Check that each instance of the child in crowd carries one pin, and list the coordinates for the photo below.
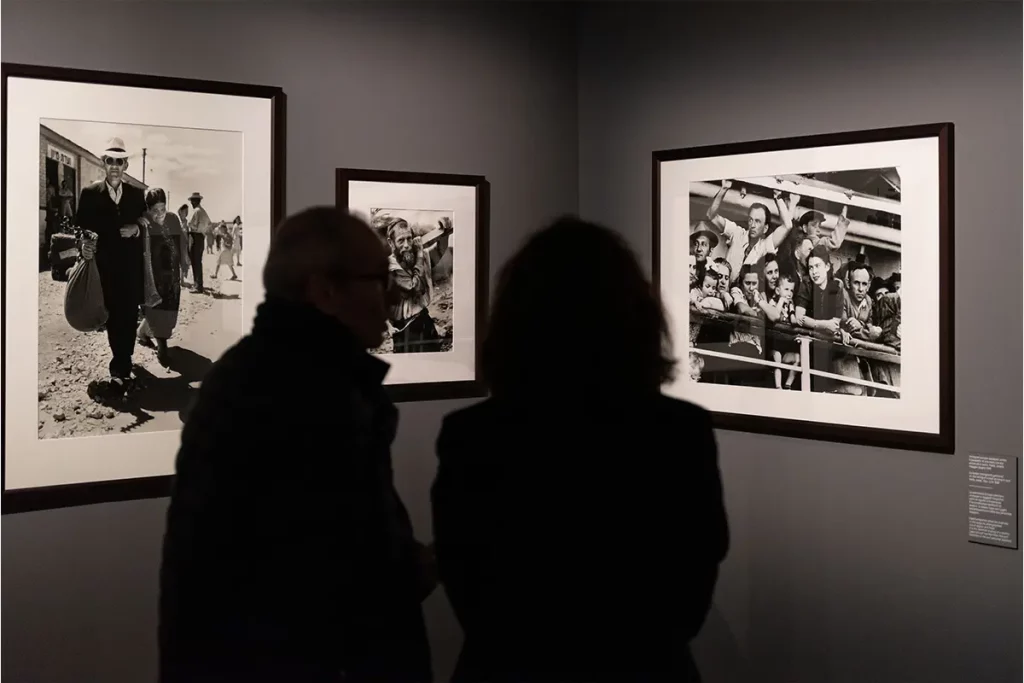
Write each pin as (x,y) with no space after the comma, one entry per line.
(780,309)
(708,297)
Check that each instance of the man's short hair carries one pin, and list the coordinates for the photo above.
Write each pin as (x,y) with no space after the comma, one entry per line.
(763,207)
(859,265)
(312,242)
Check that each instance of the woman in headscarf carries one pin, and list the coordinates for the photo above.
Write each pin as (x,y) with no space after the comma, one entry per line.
(165,257)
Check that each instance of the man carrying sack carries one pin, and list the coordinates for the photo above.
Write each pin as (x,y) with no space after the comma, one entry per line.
(113,210)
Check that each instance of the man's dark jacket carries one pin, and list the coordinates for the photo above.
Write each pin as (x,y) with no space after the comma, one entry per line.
(288,555)
(118,259)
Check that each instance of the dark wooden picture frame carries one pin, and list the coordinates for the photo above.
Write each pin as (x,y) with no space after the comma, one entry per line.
(944,440)
(441,389)
(88,493)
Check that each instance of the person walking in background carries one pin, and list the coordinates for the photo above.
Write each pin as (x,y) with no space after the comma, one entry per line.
(226,256)
(578,513)
(67,200)
(326,583)
(167,260)
(236,238)
(198,226)
(114,211)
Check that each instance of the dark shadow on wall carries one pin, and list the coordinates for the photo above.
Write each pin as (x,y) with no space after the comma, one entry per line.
(718,653)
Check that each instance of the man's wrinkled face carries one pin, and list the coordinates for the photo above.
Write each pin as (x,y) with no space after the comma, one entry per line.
(860,282)
(757,221)
(701,247)
(115,169)
(401,243)
(771,275)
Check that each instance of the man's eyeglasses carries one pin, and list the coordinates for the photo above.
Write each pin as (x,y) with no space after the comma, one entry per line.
(112,161)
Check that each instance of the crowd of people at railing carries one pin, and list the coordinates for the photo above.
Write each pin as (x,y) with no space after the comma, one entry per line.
(779,285)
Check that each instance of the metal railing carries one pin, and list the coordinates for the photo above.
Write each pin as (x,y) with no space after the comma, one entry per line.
(804,338)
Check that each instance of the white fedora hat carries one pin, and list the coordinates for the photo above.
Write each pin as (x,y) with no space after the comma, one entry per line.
(115,148)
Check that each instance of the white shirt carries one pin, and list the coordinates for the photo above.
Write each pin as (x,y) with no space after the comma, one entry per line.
(738,253)
(115,192)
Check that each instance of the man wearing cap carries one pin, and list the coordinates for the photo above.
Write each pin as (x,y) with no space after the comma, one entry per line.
(810,223)
(199,226)
(113,210)
(414,330)
(750,245)
(703,241)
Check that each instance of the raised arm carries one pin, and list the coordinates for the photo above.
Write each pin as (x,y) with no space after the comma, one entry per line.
(716,204)
(835,240)
(786,215)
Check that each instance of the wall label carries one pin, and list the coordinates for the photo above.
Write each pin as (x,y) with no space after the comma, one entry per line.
(992,500)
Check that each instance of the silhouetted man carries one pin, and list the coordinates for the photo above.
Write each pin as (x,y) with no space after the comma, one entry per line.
(113,210)
(289,556)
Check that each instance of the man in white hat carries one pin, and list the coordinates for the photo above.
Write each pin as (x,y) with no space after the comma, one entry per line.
(114,211)
(199,227)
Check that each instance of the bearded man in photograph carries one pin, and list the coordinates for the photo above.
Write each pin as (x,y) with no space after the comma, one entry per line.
(410,270)
(113,211)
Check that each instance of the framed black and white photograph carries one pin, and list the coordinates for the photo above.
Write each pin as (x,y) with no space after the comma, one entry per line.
(137,216)
(435,324)
(783,265)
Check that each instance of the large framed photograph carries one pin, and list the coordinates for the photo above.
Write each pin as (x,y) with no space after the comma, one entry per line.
(137,214)
(781,264)
(435,325)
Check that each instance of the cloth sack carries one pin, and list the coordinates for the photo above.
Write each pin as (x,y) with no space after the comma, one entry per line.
(83,298)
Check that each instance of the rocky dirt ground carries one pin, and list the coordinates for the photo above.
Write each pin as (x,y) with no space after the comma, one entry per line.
(70,362)
(440,310)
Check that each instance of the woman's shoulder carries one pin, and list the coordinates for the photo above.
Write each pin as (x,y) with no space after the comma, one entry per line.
(492,413)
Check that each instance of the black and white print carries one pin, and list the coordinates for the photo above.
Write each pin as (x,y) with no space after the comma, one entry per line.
(176,196)
(795,282)
(421,274)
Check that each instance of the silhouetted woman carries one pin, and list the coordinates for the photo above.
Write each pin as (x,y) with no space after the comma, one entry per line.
(578,513)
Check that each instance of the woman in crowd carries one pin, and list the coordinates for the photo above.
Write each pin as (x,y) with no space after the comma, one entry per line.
(578,514)
(236,239)
(167,258)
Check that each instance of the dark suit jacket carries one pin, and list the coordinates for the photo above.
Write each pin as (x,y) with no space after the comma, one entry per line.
(118,259)
(288,554)
(578,541)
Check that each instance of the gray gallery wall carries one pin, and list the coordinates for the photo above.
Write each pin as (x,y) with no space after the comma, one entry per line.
(851,564)
(443,87)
